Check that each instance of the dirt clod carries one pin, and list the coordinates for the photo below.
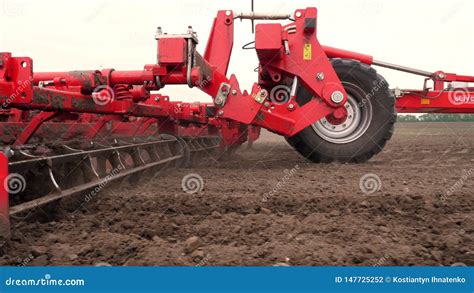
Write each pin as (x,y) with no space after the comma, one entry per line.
(191,244)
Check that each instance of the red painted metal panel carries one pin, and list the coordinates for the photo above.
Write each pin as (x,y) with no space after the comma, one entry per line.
(172,51)
(221,41)
(452,101)
(332,52)
(268,41)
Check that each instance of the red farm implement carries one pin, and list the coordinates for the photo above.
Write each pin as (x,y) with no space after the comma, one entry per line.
(65,133)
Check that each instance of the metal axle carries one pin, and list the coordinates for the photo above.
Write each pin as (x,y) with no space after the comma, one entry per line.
(403,68)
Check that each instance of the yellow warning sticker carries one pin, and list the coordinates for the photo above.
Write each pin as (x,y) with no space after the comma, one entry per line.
(307,52)
(425,101)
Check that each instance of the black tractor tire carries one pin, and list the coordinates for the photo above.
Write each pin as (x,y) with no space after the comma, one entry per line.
(367,89)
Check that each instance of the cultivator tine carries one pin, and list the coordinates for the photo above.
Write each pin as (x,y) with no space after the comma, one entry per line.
(25,155)
(53,180)
(200,144)
(153,153)
(153,157)
(137,158)
(163,151)
(69,149)
(85,167)
(202,147)
(116,161)
(101,162)
(90,174)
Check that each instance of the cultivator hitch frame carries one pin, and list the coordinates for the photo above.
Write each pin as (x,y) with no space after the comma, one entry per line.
(73,129)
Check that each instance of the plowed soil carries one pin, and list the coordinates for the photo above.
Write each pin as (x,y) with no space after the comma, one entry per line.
(268,206)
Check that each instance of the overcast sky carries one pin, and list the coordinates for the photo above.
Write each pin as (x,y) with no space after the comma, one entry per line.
(67,35)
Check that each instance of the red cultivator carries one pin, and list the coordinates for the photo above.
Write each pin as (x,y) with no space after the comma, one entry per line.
(65,133)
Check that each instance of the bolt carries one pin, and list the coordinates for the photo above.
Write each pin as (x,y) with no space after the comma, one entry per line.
(228,12)
(441,75)
(157,99)
(234,92)
(298,14)
(263,93)
(266,104)
(220,113)
(320,76)
(260,97)
(337,97)
(9,152)
(291,107)
(190,29)
(219,101)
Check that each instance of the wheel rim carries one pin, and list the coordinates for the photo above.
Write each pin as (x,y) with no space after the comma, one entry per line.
(359,116)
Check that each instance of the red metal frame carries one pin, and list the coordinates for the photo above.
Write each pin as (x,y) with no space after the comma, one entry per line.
(72,91)
(440,98)
(80,103)
(420,101)
(284,51)
(437,95)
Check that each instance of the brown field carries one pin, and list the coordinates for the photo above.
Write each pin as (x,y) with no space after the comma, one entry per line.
(268,206)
